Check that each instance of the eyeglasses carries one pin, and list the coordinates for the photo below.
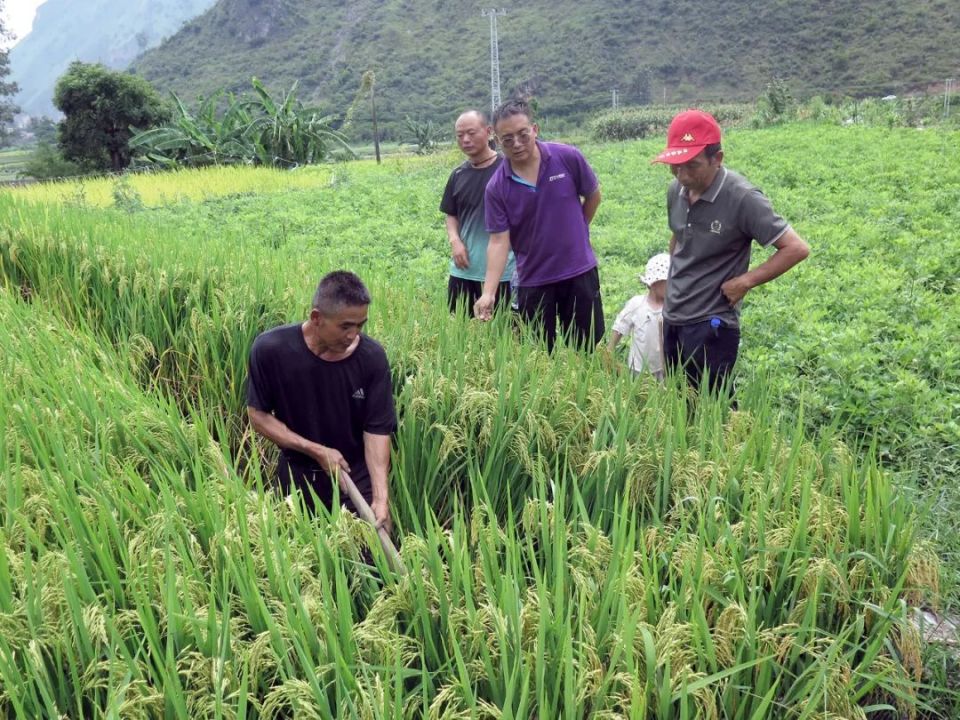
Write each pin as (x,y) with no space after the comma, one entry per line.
(522,137)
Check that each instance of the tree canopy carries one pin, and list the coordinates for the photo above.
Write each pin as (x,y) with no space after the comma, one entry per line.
(7,89)
(102,110)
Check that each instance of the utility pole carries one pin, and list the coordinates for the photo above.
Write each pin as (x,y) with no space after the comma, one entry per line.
(947,95)
(376,130)
(493,13)
(616,99)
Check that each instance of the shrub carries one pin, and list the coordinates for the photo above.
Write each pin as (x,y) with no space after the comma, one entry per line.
(46,163)
(639,122)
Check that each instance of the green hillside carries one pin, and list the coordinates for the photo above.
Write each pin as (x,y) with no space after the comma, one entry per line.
(432,57)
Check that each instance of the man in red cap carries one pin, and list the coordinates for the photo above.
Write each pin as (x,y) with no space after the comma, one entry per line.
(714,216)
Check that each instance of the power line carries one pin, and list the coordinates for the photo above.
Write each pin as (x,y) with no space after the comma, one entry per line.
(493,13)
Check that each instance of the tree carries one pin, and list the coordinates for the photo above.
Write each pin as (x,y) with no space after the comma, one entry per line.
(262,130)
(287,132)
(43,128)
(102,109)
(7,89)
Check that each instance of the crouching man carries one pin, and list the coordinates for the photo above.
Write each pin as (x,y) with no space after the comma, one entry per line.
(321,391)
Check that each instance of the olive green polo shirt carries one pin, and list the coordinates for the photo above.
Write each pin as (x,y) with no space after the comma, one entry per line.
(714,238)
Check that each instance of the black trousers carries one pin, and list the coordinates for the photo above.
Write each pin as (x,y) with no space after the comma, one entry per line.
(460,290)
(709,347)
(312,482)
(573,303)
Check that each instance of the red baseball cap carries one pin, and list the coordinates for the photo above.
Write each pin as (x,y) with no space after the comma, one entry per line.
(689,133)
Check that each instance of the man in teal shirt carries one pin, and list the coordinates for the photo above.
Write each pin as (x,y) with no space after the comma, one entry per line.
(463,204)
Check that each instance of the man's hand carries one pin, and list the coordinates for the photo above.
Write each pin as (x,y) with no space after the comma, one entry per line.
(382,513)
(483,307)
(329,459)
(458,251)
(735,288)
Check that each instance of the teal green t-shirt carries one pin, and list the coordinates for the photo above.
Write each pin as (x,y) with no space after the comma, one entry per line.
(463,198)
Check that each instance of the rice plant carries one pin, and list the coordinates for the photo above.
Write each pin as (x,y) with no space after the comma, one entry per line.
(578,543)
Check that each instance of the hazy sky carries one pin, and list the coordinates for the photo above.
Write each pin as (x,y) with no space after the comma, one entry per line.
(18,16)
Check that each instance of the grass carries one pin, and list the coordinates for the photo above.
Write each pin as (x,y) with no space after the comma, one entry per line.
(617,551)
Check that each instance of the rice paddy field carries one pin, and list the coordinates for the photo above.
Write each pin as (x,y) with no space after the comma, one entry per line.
(577,543)
(12,161)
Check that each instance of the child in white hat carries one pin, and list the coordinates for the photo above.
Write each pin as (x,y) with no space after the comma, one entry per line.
(642,319)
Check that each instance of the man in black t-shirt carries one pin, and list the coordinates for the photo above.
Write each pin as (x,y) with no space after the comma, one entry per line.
(320,390)
(463,205)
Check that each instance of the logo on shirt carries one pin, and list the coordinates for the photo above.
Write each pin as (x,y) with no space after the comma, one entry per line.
(561,176)
(716,227)
(358,395)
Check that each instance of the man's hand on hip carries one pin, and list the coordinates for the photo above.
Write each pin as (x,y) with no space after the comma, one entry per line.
(735,288)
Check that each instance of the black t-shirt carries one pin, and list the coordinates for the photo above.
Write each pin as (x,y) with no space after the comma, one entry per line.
(332,403)
(463,194)
(463,198)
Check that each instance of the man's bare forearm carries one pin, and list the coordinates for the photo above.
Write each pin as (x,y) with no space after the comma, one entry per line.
(277,432)
(453,228)
(498,250)
(376,451)
(791,250)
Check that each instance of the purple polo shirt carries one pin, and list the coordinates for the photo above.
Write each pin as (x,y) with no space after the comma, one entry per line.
(548,233)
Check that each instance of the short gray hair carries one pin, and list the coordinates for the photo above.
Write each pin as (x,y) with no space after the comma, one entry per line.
(340,289)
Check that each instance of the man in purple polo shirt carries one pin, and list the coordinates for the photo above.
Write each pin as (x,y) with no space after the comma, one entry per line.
(533,205)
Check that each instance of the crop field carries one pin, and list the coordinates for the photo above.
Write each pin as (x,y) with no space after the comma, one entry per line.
(577,543)
(12,161)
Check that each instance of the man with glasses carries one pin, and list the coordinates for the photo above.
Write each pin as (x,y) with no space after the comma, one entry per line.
(714,216)
(540,202)
(463,205)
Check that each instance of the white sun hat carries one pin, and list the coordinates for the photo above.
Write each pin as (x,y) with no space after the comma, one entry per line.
(658,267)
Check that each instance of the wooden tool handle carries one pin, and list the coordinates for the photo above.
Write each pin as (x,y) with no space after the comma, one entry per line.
(366,513)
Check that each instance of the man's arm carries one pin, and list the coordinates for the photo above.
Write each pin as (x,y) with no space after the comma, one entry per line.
(376,451)
(791,249)
(590,205)
(282,436)
(458,251)
(498,250)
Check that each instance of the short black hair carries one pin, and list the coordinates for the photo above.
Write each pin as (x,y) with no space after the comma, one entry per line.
(340,289)
(514,106)
(710,151)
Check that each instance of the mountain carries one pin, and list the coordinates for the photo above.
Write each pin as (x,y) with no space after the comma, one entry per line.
(113,32)
(431,57)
